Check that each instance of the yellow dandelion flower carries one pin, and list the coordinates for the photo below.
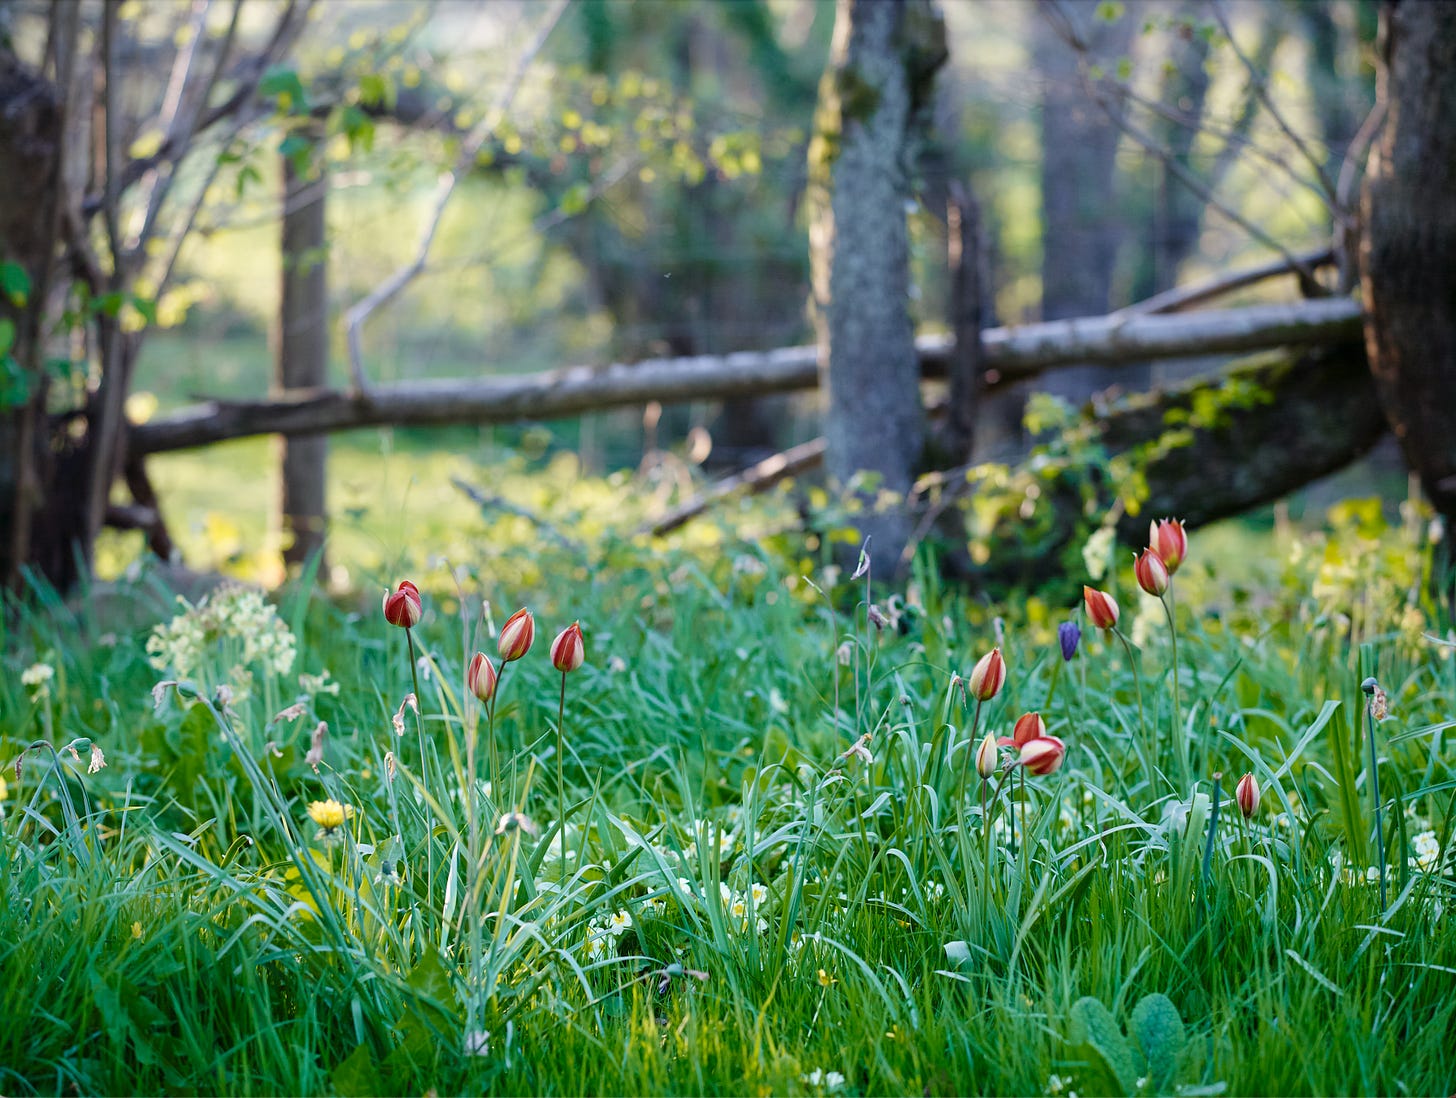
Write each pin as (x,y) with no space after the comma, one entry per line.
(330,815)
(826,980)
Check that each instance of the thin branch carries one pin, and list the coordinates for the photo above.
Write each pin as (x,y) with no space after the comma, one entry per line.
(1261,89)
(756,478)
(1185,297)
(488,502)
(179,126)
(469,149)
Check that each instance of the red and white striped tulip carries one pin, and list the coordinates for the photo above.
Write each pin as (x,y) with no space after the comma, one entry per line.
(1043,755)
(516,635)
(481,677)
(1152,573)
(988,757)
(568,649)
(987,676)
(1029,726)
(1247,795)
(402,607)
(1101,607)
(1169,538)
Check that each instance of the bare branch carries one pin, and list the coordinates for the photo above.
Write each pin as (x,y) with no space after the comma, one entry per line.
(1261,89)
(469,149)
(1185,297)
(756,478)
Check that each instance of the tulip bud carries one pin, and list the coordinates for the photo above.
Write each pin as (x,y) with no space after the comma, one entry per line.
(1068,634)
(567,650)
(516,635)
(1101,607)
(987,756)
(480,677)
(1171,542)
(1029,726)
(403,607)
(1043,755)
(987,676)
(1247,795)
(1152,573)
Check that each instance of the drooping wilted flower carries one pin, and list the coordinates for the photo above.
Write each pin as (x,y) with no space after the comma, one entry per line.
(1101,607)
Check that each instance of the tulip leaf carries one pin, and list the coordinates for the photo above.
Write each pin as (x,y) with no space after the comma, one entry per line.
(1094,1028)
(1158,1030)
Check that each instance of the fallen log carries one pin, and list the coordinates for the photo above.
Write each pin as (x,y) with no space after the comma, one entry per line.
(1008,353)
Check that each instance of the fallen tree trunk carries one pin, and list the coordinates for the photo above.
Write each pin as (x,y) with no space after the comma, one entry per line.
(1008,353)
(1274,424)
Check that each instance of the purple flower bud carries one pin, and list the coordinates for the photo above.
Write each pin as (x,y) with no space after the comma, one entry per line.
(1068,634)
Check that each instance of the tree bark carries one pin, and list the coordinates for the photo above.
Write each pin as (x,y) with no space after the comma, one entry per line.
(882,62)
(1408,278)
(1273,425)
(303,357)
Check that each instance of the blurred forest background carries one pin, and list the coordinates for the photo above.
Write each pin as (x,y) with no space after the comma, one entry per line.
(636,186)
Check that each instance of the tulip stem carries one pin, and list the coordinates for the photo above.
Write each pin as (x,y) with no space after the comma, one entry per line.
(409,636)
(560,779)
(1179,737)
(1375,795)
(1136,678)
(970,747)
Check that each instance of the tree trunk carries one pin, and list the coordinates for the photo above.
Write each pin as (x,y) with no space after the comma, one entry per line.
(43,515)
(1408,276)
(883,60)
(303,356)
(1080,229)
(1269,427)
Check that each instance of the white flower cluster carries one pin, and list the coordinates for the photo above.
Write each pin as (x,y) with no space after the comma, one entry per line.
(37,675)
(820,1079)
(222,639)
(602,934)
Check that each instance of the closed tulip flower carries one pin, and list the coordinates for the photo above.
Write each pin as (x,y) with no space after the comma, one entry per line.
(1043,755)
(1101,607)
(1170,540)
(516,635)
(1247,795)
(402,607)
(987,757)
(481,677)
(568,650)
(1068,634)
(1152,573)
(987,676)
(1029,726)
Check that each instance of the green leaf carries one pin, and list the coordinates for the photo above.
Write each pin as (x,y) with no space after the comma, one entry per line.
(282,83)
(7,334)
(1094,1027)
(1158,1029)
(356,1074)
(14,283)
(1109,11)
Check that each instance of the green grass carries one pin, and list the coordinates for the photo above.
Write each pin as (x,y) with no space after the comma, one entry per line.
(174,923)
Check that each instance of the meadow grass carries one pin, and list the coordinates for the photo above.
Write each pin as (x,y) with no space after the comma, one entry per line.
(741,902)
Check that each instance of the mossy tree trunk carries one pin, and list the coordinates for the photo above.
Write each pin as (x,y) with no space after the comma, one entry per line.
(1408,257)
(881,67)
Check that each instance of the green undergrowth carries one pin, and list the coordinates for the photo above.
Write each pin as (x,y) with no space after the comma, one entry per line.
(775,875)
